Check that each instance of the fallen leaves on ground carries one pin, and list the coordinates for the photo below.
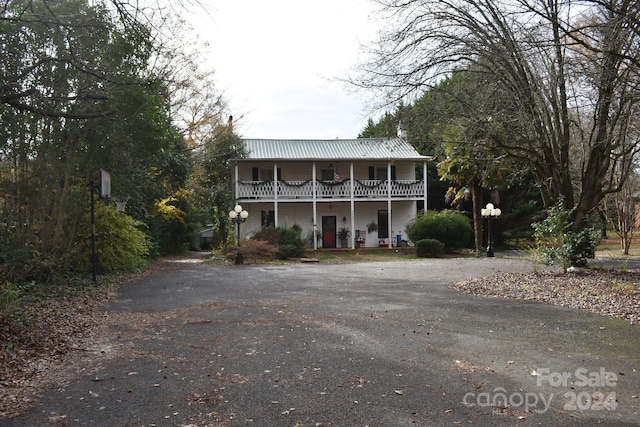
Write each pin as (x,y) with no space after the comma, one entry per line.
(50,329)
(607,292)
(42,336)
(47,328)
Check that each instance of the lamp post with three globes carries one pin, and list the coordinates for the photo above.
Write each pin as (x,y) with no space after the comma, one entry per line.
(238,215)
(490,212)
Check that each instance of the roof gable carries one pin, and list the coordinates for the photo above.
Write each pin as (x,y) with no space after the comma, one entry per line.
(331,149)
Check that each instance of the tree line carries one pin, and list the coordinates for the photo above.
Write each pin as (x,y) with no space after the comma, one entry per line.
(536,97)
(541,88)
(86,86)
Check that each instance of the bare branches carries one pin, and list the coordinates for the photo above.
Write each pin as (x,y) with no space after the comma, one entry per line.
(566,73)
(81,41)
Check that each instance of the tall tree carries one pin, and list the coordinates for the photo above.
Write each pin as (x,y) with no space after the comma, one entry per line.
(216,168)
(49,44)
(75,96)
(566,74)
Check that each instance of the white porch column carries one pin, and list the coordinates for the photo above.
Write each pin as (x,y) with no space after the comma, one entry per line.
(275,193)
(424,180)
(353,208)
(315,207)
(389,201)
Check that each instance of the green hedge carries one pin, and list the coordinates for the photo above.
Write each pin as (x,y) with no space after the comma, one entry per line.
(429,248)
(452,228)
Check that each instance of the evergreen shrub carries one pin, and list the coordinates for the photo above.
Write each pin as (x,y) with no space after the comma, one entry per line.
(429,248)
(452,228)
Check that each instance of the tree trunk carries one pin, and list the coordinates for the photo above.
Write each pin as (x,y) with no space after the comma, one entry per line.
(599,156)
(476,195)
(626,242)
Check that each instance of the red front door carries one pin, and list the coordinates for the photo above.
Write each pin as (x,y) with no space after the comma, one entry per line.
(328,231)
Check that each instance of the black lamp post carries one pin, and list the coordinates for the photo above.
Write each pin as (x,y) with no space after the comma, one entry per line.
(238,215)
(490,212)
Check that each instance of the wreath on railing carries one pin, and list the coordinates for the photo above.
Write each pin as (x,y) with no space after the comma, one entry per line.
(331,183)
(328,183)
(255,183)
(288,184)
(370,186)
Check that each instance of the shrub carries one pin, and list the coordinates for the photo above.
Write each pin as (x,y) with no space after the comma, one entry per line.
(172,226)
(267,234)
(288,240)
(452,228)
(17,251)
(429,248)
(254,251)
(556,243)
(121,245)
(288,251)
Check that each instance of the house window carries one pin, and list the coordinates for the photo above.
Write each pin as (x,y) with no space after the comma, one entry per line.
(264,174)
(381,173)
(268,219)
(327,174)
(383,224)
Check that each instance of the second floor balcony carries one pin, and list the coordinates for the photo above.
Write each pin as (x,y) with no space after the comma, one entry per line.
(345,189)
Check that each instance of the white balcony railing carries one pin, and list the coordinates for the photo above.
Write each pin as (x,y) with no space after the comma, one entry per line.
(329,189)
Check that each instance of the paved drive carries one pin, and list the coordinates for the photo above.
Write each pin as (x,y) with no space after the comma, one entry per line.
(369,344)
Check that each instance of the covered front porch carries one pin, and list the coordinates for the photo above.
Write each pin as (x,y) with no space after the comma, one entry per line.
(336,224)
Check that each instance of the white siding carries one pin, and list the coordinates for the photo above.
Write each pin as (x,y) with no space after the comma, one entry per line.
(301,214)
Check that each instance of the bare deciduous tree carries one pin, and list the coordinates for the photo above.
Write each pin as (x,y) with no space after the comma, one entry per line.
(566,73)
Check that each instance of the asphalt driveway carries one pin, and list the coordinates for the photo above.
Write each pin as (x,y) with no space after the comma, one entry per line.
(368,344)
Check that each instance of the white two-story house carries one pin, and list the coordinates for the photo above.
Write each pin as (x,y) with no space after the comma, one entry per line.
(325,186)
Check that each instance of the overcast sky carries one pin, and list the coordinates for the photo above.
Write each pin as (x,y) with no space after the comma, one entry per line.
(277,62)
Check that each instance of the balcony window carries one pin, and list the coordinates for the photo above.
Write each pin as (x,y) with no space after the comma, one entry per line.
(327,174)
(264,174)
(380,174)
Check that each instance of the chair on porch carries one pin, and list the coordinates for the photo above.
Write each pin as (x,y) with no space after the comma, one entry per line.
(361,235)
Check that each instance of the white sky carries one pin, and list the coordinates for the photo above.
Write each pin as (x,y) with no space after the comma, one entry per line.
(277,62)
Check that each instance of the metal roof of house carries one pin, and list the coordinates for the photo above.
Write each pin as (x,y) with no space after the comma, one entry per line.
(331,149)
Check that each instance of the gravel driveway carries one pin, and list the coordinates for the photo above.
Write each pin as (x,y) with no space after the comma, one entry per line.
(367,344)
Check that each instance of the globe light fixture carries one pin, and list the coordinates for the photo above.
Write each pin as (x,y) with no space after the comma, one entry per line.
(490,212)
(238,215)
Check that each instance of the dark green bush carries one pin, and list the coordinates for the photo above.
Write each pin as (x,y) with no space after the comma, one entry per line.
(288,240)
(557,243)
(429,248)
(449,227)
